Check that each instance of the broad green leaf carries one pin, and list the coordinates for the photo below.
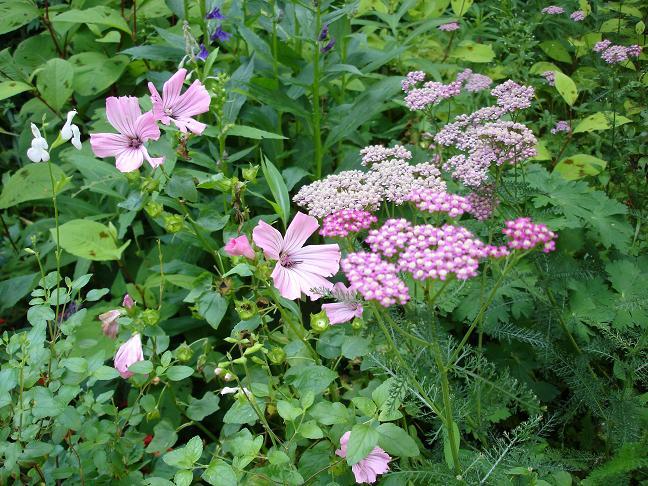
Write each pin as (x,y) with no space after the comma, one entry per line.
(566,87)
(141,367)
(310,377)
(278,188)
(600,121)
(542,66)
(155,53)
(287,411)
(164,437)
(30,183)
(12,88)
(310,430)
(100,15)
(105,373)
(555,50)
(212,306)
(460,7)
(88,239)
(16,13)
(396,441)
(254,133)
(34,51)
(579,166)
(177,373)
(473,52)
(15,288)
(328,413)
(185,457)
(94,72)
(542,152)
(55,82)
(362,440)
(219,473)
(112,37)
(199,409)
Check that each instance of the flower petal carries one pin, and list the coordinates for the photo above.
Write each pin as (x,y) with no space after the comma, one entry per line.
(300,229)
(340,312)
(172,88)
(146,128)
(192,102)
(320,259)
(122,113)
(286,282)
(108,144)
(268,239)
(129,160)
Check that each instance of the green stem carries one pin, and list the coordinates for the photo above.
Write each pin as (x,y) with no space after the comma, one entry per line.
(317,136)
(58,242)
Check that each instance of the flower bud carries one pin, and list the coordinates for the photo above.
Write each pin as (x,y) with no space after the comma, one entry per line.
(218,371)
(228,376)
(357,324)
(184,353)
(319,322)
(153,209)
(153,415)
(250,173)
(246,309)
(149,185)
(173,223)
(150,317)
(155,380)
(277,355)
(132,176)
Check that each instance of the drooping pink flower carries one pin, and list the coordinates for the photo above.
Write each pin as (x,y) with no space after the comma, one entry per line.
(134,129)
(128,302)
(300,269)
(109,325)
(347,308)
(129,353)
(367,469)
(239,246)
(180,108)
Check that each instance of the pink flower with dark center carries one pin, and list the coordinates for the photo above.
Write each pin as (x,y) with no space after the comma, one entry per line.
(347,308)
(134,129)
(240,246)
(180,108)
(129,353)
(367,469)
(300,269)
(109,325)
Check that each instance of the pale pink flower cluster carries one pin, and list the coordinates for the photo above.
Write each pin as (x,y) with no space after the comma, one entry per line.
(390,178)
(550,77)
(377,153)
(524,234)
(577,16)
(449,27)
(512,96)
(346,221)
(475,82)
(440,202)
(483,203)
(392,237)
(613,54)
(432,93)
(553,10)
(561,126)
(412,79)
(374,278)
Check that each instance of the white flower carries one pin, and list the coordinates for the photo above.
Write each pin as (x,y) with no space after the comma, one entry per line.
(71,131)
(227,390)
(38,151)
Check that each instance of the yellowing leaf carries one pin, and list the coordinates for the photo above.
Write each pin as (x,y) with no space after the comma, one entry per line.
(473,52)
(579,166)
(600,121)
(460,7)
(566,87)
(88,239)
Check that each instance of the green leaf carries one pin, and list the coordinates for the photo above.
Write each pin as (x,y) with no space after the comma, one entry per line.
(112,37)
(75,365)
(278,188)
(88,239)
(354,346)
(96,294)
(95,72)
(177,373)
(183,478)
(30,183)
(141,367)
(460,7)
(566,87)
(16,13)
(101,15)
(287,411)
(310,377)
(12,88)
(219,473)
(579,166)
(555,50)
(40,314)
(600,121)
(254,133)
(164,436)
(396,441)
(310,430)
(55,82)
(14,289)
(105,373)
(155,53)
(365,405)
(328,413)
(199,409)
(185,457)
(362,441)
(472,52)
(212,306)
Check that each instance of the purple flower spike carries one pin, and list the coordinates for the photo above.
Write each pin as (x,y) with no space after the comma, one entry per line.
(328,46)
(215,14)
(220,35)
(202,55)
(324,33)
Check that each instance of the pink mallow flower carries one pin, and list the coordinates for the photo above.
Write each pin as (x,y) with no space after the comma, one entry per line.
(239,246)
(347,308)
(109,325)
(299,268)
(367,469)
(128,354)
(134,129)
(180,108)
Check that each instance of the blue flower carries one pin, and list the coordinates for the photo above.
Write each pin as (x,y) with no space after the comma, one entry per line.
(324,33)
(328,46)
(220,35)
(215,14)
(202,55)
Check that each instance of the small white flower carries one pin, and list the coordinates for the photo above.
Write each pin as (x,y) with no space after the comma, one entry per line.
(38,151)
(71,131)
(227,390)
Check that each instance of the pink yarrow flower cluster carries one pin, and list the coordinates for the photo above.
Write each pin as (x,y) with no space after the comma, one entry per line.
(483,202)
(524,234)
(577,16)
(553,10)
(550,77)
(422,96)
(347,221)
(561,126)
(135,129)
(449,27)
(613,53)
(375,278)
(377,153)
(440,202)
